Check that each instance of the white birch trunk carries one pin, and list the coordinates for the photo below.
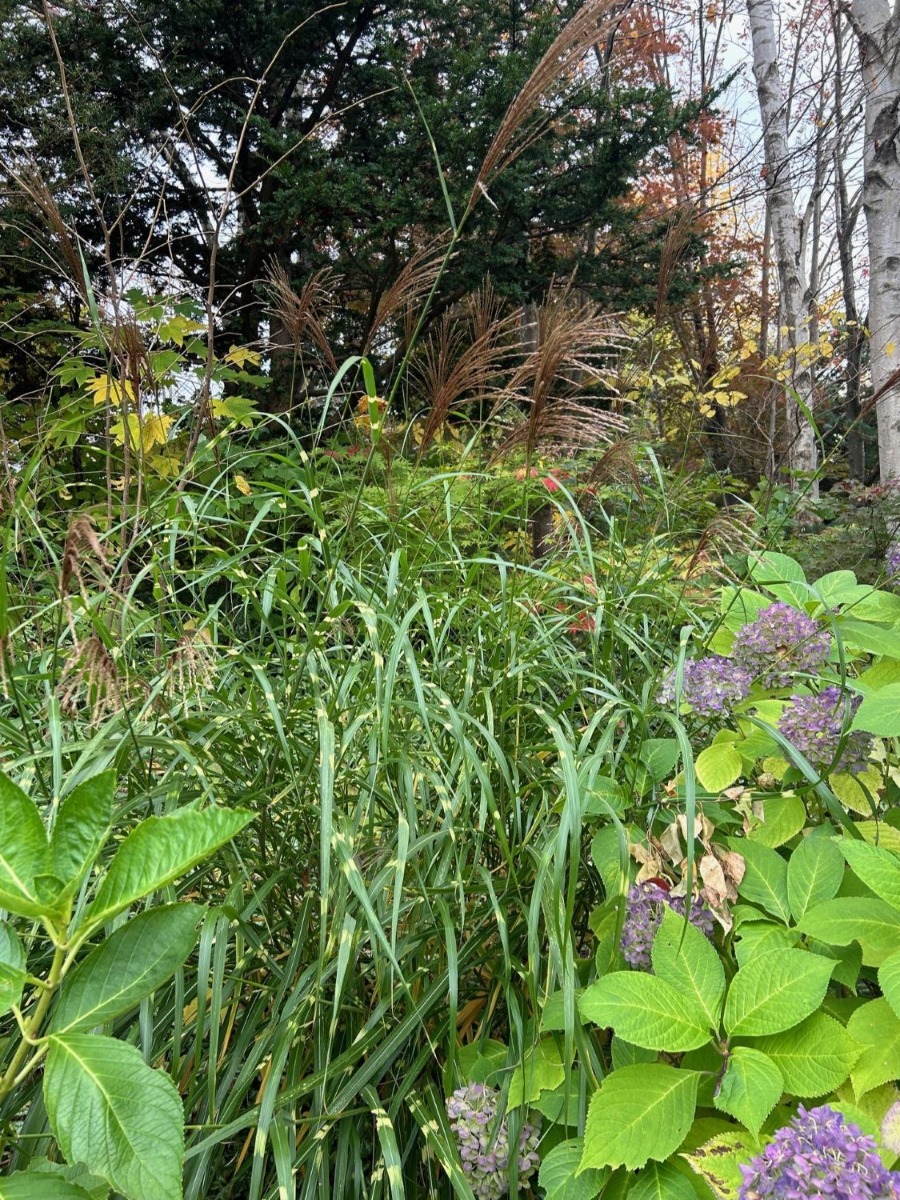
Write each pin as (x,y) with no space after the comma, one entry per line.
(878,29)
(780,201)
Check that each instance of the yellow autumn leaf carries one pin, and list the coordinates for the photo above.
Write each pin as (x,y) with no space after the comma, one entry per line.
(155,430)
(106,390)
(239,356)
(889,349)
(242,485)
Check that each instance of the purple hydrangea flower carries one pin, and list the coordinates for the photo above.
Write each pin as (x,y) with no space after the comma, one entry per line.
(814,725)
(644,907)
(819,1156)
(781,641)
(892,564)
(709,685)
(473,1116)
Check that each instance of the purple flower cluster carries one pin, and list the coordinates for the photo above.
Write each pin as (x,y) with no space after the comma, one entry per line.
(781,641)
(892,564)
(644,907)
(814,725)
(473,1114)
(819,1156)
(709,685)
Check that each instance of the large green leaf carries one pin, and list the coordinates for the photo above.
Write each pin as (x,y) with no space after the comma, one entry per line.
(879,712)
(639,1113)
(776,991)
(872,923)
(25,1186)
(876,1027)
(75,1175)
(750,1088)
(82,826)
(558,1175)
(160,850)
(877,639)
(814,1058)
(23,851)
(12,967)
(113,1113)
(889,981)
(718,766)
(645,1011)
(718,1161)
(782,576)
(783,818)
(134,961)
(765,880)
(542,1071)
(878,869)
(684,958)
(814,874)
(661,1181)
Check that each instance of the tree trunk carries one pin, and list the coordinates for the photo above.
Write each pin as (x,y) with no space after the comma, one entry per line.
(794,291)
(878,29)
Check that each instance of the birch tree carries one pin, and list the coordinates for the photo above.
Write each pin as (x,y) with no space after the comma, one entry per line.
(794,297)
(877,26)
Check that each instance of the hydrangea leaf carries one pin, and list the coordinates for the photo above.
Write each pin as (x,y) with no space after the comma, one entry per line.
(873,923)
(542,1071)
(718,766)
(558,1176)
(775,992)
(760,937)
(876,1027)
(889,981)
(814,874)
(765,880)
(783,817)
(683,957)
(879,712)
(645,1011)
(814,1057)
(639,1113)
(661,1181)
(750,1088)
(878,869)
(12,967)
(23,1185)
(23,851)
(718,1161)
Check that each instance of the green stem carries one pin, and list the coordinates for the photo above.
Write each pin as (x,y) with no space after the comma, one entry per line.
(33,1024)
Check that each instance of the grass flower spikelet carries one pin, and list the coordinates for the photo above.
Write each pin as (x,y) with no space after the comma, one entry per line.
(484,1144)
(780,642)
(819,1156)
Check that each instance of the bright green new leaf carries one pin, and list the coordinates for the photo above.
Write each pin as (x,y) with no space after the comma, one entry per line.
(82,826)
(158,852)
(750,1088)
(639,1113)
(879,712)
(876,1027)
(718,766)
(684,958)
(814,874)
(775,991)
(113,1113)
(542,1071)
(12,967)
(814,1058)
(782,576)
(661,1181)
(645,1011)
(762,936)
(784,816)
(765,880)
(558,1176)
(872,923)
(878,869)
(889,981)
(135,960)
(23,851)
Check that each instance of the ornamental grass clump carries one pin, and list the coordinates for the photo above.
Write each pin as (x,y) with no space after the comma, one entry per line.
(484,1144)
(710,685)
(779,643)
(819,1156)
(645,904)
(815,726)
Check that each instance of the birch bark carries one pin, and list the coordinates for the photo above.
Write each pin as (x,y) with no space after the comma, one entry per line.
(794,294)
(877,26)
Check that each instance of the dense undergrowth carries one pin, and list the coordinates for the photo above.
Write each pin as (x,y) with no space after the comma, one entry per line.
(459,756)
